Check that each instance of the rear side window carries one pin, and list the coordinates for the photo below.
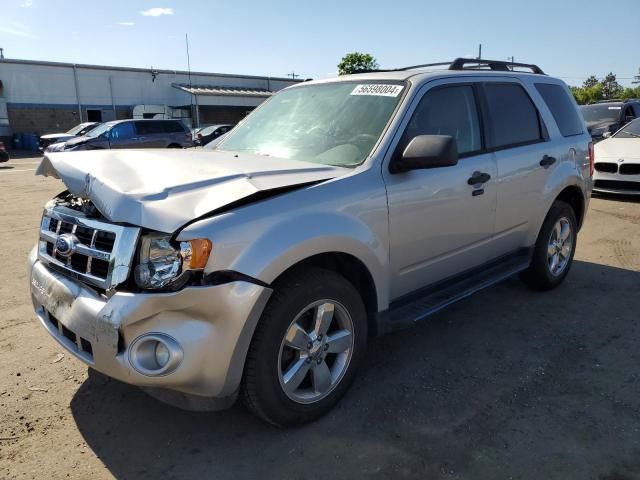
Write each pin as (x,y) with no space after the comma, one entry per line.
(514,118)
(150,127)
(562,108)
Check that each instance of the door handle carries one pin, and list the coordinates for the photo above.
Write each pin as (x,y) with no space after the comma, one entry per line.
(479,177)
(547,161)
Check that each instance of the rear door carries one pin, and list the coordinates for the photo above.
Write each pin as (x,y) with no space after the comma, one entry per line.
(525,158)
(150,134)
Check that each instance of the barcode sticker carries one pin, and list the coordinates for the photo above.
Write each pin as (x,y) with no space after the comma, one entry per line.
(378,89)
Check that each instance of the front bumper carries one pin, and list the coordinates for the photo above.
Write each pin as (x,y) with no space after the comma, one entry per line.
(213,326)
(616,183)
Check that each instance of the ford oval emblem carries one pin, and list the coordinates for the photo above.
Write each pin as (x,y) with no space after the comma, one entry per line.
(65,245)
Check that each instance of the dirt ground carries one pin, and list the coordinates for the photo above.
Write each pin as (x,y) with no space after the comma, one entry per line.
(506,384)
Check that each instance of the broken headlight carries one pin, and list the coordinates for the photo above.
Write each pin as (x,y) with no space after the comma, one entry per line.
(160,262)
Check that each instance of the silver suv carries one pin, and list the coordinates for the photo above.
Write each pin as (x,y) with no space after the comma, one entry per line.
(338,210)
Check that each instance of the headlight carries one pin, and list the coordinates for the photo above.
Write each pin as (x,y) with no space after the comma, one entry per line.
(161,263)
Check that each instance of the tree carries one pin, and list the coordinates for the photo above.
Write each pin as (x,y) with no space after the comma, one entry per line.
(591,81)
(630,93)
(356,62)
(610,87)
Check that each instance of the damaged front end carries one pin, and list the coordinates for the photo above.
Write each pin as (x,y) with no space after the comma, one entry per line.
(92,287)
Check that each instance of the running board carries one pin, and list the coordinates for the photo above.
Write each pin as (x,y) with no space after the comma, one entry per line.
(417,306)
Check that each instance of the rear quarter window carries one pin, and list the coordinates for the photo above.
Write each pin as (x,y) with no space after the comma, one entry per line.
(514,117)
(562,108)
(174,127)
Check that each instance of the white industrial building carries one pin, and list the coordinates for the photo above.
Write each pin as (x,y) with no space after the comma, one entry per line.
(43,97)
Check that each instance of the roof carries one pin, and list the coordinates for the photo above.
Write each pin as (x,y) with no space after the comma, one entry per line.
(215,90)
(134,69)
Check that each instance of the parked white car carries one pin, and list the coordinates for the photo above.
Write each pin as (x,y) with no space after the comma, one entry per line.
(617,161)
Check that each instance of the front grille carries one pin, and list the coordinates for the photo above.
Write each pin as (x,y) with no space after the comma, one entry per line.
(616,185)
(630,169)
(101,252)
(606,167)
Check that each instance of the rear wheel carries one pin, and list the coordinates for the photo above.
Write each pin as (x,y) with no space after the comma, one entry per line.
(306,348)
(554,249)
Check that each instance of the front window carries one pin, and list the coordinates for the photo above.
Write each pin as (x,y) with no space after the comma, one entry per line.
(331,124)
(600,113)
(631,130)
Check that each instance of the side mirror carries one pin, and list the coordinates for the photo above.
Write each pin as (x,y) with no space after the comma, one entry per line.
(606,135)
(427,151)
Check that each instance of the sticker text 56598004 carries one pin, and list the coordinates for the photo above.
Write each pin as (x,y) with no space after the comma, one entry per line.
(378,89)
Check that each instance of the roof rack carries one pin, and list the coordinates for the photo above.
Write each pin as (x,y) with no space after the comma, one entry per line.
(476,64)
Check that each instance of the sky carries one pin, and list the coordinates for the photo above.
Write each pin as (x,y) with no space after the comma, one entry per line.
(570,39)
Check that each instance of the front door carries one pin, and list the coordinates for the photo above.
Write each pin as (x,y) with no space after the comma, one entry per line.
(122,135)
(440,222)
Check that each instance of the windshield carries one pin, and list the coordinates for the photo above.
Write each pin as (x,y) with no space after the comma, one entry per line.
(600,113)
(332,124)
(631,130)
(99,130)
(75,130)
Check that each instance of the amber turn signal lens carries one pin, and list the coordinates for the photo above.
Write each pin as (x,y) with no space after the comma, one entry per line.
(200,251)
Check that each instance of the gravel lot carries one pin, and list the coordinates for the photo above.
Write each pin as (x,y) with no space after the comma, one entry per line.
(507,384)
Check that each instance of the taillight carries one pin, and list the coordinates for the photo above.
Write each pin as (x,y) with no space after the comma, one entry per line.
(199,136)
(2,149)
(592,158)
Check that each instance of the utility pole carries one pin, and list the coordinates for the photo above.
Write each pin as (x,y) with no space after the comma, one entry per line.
(479,51)
(1,53)
(636,78)
(293,75)
(197,109)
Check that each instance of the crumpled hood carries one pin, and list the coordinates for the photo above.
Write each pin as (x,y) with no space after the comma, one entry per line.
(164,189)
(617,148)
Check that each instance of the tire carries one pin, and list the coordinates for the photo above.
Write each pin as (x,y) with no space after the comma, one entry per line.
(269,383)
(541,274)
(174,145)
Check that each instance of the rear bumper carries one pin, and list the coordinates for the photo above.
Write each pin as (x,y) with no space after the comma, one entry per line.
(213,327)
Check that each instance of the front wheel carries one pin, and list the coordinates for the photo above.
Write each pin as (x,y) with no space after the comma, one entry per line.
(554,249)
(306,348)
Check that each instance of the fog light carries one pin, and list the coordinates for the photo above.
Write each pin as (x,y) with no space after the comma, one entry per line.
(155,354)
(162,354)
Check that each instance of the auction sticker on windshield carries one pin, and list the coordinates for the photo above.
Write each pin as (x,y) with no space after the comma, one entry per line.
(378,89)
